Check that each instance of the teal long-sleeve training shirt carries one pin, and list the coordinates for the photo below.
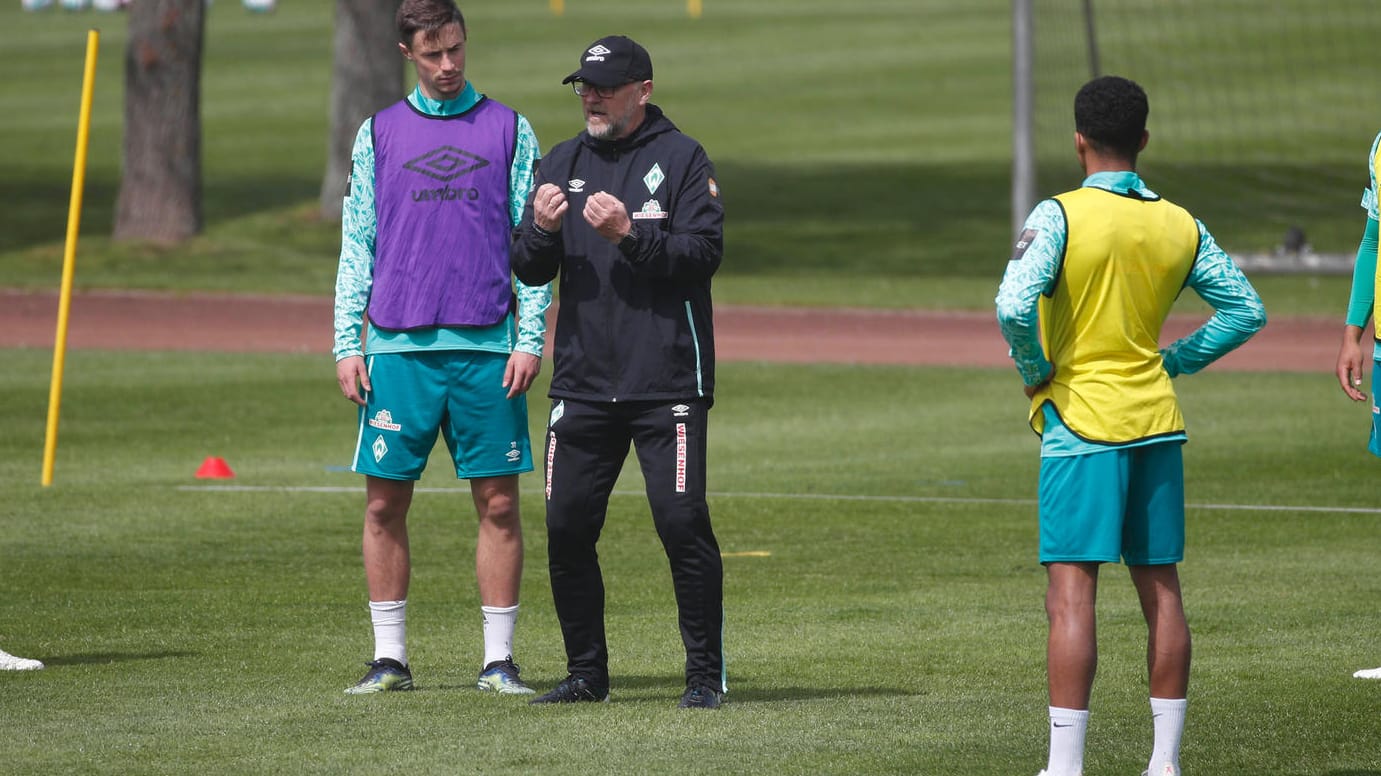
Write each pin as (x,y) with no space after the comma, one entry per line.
(1360,302)
(1238,310)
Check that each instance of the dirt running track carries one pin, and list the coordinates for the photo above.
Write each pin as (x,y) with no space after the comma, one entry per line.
(296,324)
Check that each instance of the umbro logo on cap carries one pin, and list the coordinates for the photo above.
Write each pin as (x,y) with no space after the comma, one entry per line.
(613,60)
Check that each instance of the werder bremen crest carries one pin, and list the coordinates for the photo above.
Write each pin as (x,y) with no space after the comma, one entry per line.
(654,178)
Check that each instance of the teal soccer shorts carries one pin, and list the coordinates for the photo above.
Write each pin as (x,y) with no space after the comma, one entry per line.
(1374,444)
(458,393)
(1126,504)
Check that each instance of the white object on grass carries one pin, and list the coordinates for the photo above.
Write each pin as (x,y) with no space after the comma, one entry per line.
(10,662)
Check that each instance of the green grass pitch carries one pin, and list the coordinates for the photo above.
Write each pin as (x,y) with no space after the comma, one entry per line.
(895,624)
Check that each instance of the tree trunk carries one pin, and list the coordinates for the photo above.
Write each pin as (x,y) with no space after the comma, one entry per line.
(367,75)
(160,189)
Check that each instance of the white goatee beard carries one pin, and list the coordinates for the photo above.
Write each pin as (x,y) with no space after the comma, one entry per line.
(606,131)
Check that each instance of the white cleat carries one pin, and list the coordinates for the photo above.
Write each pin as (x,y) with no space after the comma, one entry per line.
(1168,769)
(9,662)
(1368,673)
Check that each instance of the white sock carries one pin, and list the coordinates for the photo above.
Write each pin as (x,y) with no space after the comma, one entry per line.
(499,623)
(1167,715)
(1067,730)
(390,628)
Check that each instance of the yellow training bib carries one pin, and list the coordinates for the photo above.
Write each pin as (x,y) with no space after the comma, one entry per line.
(1126,260)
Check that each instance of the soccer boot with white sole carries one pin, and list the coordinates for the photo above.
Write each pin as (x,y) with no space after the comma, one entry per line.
(385,675)
(501,676)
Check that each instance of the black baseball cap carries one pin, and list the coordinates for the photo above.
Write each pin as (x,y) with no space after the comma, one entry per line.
(613,60)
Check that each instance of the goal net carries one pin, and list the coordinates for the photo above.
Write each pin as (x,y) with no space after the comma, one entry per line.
(1262,111)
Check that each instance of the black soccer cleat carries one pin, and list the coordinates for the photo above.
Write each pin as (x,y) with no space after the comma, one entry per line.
(574,689)
(700,697)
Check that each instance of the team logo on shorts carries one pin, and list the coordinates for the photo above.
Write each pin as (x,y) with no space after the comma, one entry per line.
(680,411)
(383,419)
(380,449)
(513,454)
(557,410)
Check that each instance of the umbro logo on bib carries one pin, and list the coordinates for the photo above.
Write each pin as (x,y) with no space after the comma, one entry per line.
(446,163)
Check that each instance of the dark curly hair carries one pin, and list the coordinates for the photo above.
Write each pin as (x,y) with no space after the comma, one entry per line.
(429,16)
(1110,112)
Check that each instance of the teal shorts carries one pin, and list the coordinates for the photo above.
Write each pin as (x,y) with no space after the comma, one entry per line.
(1374,444)
(458,393)
(1126,503)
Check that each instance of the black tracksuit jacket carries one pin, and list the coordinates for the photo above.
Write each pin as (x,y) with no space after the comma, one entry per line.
(635,323)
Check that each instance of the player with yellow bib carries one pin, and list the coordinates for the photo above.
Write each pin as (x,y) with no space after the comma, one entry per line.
(1092,280)
(1365,303)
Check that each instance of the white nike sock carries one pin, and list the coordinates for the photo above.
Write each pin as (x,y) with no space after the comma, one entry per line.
(390,629)
(1067,730)
(1167,715)
(499,623)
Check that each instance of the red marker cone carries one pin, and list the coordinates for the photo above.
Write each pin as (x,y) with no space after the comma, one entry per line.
(214,468)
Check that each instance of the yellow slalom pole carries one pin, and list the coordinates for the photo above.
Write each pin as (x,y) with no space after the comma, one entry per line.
(558,7)
(74,218)
(693,8)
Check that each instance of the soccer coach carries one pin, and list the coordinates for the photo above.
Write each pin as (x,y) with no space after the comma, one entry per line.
(628,214)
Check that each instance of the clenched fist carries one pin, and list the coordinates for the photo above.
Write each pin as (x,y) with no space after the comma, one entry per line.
(607,215)
(548,206)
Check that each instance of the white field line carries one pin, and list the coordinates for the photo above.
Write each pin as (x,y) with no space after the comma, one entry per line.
(796,497)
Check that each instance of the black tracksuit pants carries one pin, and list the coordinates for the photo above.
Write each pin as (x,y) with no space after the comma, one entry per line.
(586,445)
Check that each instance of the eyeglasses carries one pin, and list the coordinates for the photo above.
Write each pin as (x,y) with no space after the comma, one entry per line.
(603,92)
